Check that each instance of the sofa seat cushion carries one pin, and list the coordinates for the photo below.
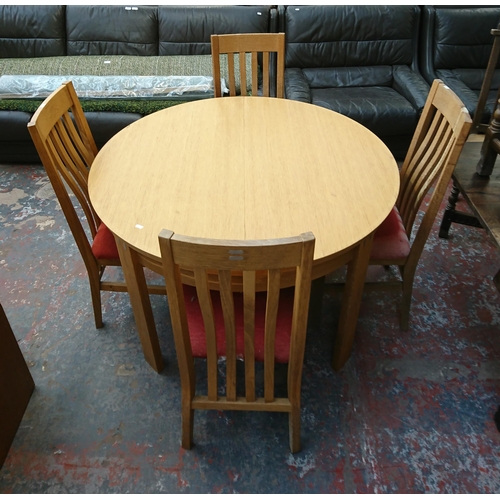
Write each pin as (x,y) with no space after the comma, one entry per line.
(381,109)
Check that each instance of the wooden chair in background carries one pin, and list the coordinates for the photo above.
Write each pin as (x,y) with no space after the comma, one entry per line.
(67,149)
(436,146)
(252,326)
(254,43)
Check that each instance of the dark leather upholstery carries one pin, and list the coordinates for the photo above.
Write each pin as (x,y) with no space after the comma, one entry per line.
(111,30)
(359,61)
(187,30)
(16,145)
(455,46)
(46,30)
(29,32)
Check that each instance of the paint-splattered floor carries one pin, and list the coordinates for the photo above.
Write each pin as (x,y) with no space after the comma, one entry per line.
(410,412)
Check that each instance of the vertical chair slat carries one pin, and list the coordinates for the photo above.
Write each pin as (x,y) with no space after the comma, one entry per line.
(249,330)
(272,303)
(265,74)
(255,72)
(227,302)
(243,73)
(207,312)
(230,67)
(216,66)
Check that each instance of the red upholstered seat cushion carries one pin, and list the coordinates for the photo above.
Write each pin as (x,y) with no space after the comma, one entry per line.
(104,246)
(390,240)
(283,324)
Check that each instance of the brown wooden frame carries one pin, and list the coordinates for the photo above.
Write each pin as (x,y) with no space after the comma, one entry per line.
(433,153)
(247,258)
(253,43)
(16,386)
(63,139)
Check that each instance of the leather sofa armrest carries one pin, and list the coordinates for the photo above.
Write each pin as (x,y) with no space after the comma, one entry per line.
(296,86)
(411,85)
(464,93)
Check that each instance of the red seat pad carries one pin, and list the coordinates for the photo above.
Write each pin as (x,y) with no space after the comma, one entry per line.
(104,245)
(283,324)
(390,240)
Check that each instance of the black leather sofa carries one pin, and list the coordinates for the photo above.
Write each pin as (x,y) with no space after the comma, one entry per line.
(360,61)
(455,46)
(58,32)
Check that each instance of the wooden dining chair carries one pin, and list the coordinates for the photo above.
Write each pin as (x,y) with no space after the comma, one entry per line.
(254,43)
(264,326)
(435,148)
(67,149)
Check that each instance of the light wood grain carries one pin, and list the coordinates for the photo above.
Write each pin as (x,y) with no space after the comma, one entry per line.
(244,168)
(269,256)
(248,168)
(255,44)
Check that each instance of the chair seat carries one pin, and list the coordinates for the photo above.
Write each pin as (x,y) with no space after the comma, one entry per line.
(283,324)
(390,240)
(104,245)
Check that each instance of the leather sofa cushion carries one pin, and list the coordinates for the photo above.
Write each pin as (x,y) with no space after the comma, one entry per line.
(187,30)
(381,109)
(463,37)
(466,83)
(32,30)
(350,35)
(348,77)
(471,77)
(112,30)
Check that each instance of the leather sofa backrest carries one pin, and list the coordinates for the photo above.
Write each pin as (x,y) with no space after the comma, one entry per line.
(111,30)
(350,35)
(187,30)
(462,37)
(32,30)
(349,77)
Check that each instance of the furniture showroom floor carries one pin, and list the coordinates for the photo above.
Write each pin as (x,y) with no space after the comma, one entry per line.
(410,412)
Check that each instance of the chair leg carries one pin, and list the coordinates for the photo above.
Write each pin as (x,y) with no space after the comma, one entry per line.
(294,429)
(406,300)
(95,291)
(187,426)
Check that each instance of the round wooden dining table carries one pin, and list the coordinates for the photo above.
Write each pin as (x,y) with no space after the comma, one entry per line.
(245,168)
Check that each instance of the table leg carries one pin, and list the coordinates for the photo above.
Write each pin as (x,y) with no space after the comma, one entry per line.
(141,305)
(351,301)
(316,302)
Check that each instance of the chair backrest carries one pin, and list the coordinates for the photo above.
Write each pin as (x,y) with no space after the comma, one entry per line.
(67,149)
(253,43)
(433,153)
(251,259)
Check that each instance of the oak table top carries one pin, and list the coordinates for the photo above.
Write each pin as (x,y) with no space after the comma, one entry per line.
(245,168)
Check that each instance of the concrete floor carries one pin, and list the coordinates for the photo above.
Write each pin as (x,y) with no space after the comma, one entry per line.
(411,412)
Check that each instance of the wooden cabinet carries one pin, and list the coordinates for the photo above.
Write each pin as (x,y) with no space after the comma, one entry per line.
(16,386)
